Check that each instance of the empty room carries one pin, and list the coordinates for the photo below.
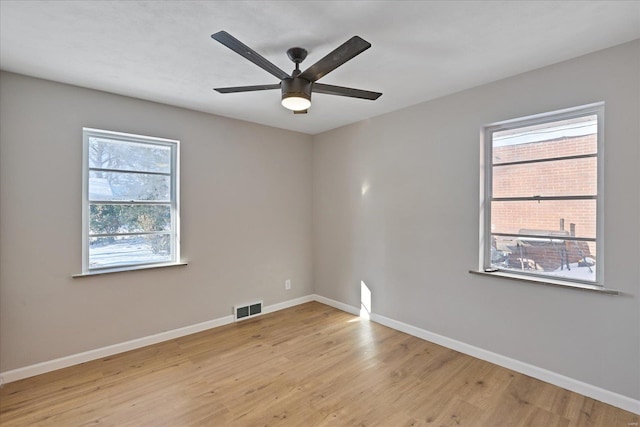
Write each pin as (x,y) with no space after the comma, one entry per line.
(320,213)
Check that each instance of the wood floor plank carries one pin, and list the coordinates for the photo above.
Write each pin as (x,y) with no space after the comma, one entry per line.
(310,365)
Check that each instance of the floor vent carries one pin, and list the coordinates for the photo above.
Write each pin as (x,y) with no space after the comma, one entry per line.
(245,311)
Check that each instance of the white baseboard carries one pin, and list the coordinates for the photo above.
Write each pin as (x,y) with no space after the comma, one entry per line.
(597,393)
(606,396)
(337,304)
(99,353)
(287,304)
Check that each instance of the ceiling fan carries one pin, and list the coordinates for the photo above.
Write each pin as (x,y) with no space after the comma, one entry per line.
(297,87)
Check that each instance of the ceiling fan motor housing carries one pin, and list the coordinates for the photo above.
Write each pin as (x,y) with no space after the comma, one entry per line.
(296,87)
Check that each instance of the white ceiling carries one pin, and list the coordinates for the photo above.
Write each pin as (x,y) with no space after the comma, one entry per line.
(162,50)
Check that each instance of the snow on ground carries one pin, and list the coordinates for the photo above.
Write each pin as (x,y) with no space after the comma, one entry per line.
(587,274)
(124,252)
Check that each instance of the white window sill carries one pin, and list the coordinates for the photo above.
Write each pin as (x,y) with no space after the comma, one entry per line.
(129,268)
(547,281)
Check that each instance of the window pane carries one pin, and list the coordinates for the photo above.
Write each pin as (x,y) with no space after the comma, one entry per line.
(554,155)
(131,200)
(128,250)
(548,140)
(126,155)
(574,177)
(551,257)
(532,217)
(111,219)
(122,186)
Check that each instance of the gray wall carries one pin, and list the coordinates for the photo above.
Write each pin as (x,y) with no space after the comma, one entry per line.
(246,222)
(412,236)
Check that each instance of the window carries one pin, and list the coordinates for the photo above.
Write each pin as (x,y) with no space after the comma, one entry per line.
(130,201)
(542,196)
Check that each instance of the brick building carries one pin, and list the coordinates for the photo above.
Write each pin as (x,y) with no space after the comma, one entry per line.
(559,218)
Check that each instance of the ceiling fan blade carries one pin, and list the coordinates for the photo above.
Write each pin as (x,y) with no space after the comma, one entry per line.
(345,91)
(246,88)
(246,52)
(349,49)
(300,112)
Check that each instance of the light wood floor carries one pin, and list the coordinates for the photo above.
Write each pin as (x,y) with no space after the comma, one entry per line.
(310,365)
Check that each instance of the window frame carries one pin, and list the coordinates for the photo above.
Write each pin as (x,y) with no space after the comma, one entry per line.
(174,202)
(486,194)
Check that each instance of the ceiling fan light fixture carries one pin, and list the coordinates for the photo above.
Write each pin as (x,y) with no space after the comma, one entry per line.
(295,102)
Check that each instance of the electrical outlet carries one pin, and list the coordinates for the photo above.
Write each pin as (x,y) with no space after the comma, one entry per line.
(287,284)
